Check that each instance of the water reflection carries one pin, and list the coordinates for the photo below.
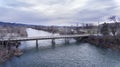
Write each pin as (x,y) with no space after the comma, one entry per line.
(72,55)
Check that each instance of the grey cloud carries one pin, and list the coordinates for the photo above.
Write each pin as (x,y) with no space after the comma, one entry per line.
(15,3)
(90,13)
(21,16)
(93,11)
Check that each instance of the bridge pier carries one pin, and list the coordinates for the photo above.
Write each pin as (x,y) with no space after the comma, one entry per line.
(36,44)
(81,39)
(53,43)
(78,40)
(67,41)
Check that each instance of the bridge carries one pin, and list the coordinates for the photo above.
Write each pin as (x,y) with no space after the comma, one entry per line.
(53,37)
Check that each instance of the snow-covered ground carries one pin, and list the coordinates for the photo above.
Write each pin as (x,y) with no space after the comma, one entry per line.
(35,33)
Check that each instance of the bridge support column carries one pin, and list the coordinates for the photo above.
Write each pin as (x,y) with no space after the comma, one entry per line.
(67,41)
(36,44)
(78,40)
(53,43)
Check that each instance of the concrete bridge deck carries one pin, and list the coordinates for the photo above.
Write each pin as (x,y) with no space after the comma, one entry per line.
(52,37)
(45,37)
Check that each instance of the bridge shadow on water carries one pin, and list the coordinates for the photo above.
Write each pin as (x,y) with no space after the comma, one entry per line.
(50,47)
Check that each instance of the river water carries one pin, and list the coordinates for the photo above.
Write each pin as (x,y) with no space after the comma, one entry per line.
(64,55)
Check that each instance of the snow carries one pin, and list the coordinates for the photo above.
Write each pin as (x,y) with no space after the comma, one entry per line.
(33,32)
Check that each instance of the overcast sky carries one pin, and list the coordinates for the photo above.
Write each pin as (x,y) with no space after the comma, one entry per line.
(58,12)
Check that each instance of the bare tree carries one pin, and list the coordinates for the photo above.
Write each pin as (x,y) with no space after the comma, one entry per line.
(3,34)
(112,18)
(113,29)
(114,26)
(104,29)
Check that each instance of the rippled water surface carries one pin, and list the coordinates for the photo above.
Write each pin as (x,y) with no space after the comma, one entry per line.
(72,55)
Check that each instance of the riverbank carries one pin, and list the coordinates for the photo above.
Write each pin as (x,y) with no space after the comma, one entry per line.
(4,55)
(9,49)
(112,42)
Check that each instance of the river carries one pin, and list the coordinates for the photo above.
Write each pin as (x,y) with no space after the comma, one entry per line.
(64,55)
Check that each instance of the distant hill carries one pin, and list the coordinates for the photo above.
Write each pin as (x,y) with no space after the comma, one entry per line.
(38,27)
(14,24)
(30,26)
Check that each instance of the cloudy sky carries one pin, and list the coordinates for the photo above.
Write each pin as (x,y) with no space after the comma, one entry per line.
(58,12)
